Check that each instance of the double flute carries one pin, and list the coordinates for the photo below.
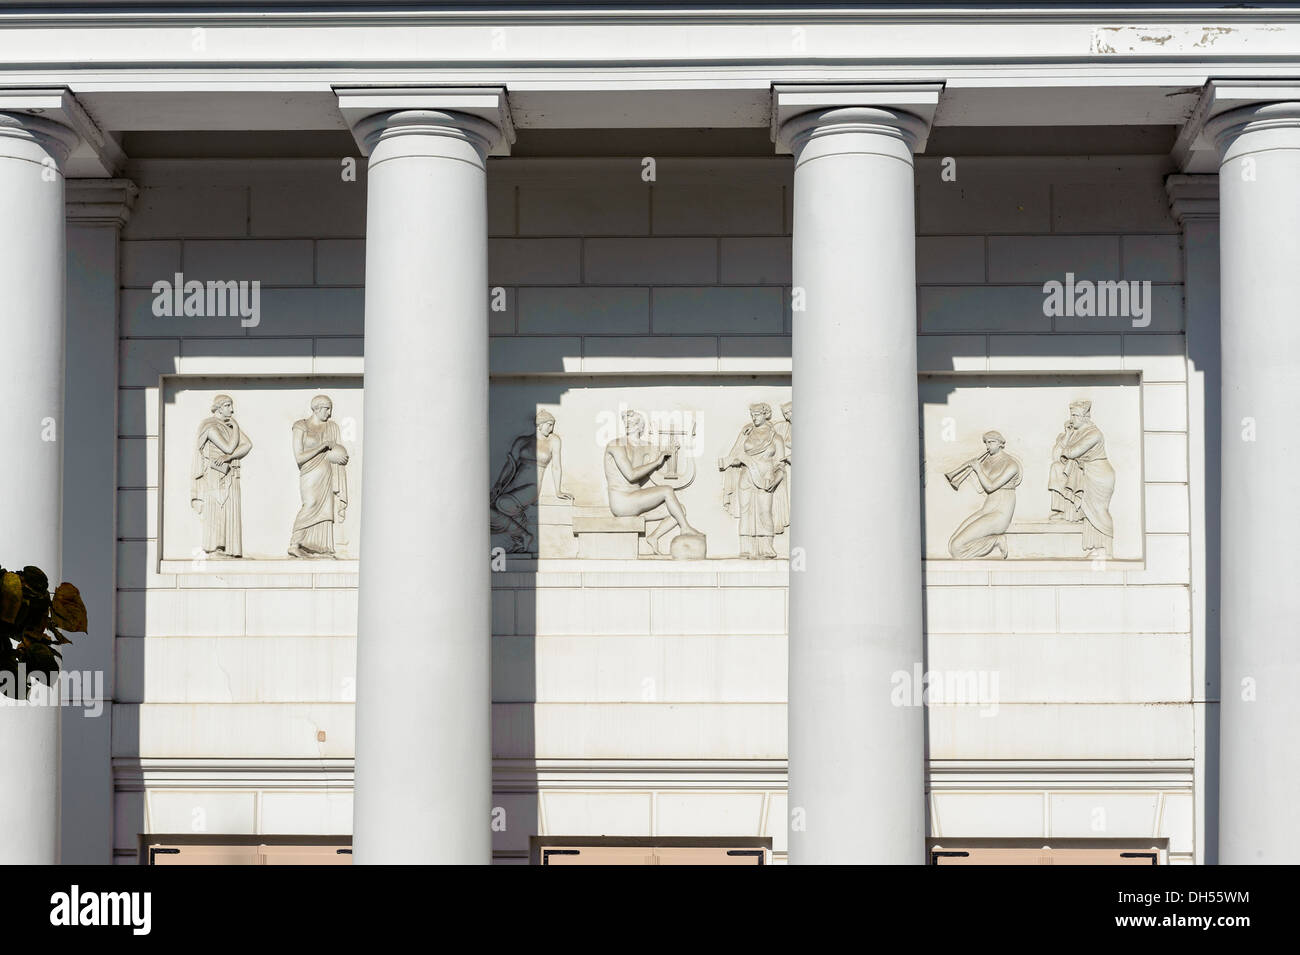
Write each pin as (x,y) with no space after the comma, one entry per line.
(956,476)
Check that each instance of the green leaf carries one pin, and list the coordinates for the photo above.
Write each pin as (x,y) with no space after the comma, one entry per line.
(67,609)
(11,596)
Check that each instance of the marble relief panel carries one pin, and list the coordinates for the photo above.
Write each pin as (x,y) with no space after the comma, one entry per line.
(1032,467)
(1016,467)
(260,468)
(660,469)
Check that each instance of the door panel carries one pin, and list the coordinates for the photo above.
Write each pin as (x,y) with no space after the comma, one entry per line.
(1040,856)
(651,855)
(171,854)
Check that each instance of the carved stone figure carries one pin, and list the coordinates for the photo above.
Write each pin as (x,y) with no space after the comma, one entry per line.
(322,481)
(518,485)
(1081,480)
(781,503)
(214,491)
(1060,476)
(629,464)
(754,477)
(999,475)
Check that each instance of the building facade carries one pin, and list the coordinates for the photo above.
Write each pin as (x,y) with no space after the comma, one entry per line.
(410,393)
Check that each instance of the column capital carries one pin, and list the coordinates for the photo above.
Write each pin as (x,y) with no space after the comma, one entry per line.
(1225,109)
(53,114)
(1279,121)
(39,125)
(481,112)
(798,109)
(99,201)
(1193,197)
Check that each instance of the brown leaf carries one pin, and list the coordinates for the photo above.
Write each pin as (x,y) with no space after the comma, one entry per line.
(66,610)
(11,596)
(36,579)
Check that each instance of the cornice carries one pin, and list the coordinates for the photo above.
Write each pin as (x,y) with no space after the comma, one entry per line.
(1079,35)
(348,13)
(1200,141)
(1193,197)
(523,775)
(99,201)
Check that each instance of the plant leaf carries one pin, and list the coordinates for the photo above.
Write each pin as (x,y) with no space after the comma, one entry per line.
(9,673)
(67,610)
(41,661)
(35,578)
(11,596)
(35,611)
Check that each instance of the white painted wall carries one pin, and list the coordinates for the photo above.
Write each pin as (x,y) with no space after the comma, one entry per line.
(651,697)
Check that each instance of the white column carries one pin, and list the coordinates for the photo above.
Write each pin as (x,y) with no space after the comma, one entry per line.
(1259,203)
(424,751)
(32,153)
(857,762)
(96,211)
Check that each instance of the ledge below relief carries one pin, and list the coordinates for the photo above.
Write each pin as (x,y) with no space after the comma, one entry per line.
(239,567)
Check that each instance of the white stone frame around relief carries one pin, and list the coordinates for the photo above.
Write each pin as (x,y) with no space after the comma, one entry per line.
(936,571)
(245,565)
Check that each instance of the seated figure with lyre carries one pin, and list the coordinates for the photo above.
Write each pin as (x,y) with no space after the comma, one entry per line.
(630,465)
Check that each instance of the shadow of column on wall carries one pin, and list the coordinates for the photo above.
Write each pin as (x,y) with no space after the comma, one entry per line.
(198,599)
(515,544)
(516,773)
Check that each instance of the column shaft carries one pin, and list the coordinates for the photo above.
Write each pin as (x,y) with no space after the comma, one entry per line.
(1259,196)
(32,153)
(423,791)
(856,760)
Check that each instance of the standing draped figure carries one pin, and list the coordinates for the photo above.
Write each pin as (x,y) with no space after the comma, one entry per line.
(781,503)
(322,481)
(754,473)
(214,489)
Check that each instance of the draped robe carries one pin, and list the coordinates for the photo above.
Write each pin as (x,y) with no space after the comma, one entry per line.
(749,491)
(216,484)
(781,502)
(323,486)
(1087,482)
(981,533)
